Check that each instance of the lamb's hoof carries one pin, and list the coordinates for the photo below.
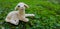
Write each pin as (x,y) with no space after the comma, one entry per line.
(33,15)
(26,20)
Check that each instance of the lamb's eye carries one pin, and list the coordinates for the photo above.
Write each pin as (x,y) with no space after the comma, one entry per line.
(18,6)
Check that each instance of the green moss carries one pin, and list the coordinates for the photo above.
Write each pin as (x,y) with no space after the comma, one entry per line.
(47,14)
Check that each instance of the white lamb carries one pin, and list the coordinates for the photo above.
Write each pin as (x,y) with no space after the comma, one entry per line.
(14,16)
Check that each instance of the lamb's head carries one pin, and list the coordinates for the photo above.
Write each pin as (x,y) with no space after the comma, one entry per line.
(21,6)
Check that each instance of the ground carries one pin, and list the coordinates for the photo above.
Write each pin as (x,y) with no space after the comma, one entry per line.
(47,14)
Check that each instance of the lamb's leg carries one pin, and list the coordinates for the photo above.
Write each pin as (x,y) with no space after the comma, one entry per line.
(24,19)
(27,15)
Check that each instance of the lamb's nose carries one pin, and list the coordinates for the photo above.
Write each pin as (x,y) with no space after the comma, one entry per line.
(18,6)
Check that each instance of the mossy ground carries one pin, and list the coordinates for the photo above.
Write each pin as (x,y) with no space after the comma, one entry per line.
(47,14)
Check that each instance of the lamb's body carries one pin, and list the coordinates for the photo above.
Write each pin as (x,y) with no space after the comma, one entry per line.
(14,16)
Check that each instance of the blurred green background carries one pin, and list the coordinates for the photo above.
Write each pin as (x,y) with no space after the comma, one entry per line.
(47,14)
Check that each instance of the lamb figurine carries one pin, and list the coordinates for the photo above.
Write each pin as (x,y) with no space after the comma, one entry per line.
(14,16)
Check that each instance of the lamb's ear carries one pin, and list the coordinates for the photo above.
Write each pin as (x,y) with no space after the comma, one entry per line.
(26,6)
(16,8)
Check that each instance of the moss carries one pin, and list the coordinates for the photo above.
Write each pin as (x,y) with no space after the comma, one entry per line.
(47,14)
